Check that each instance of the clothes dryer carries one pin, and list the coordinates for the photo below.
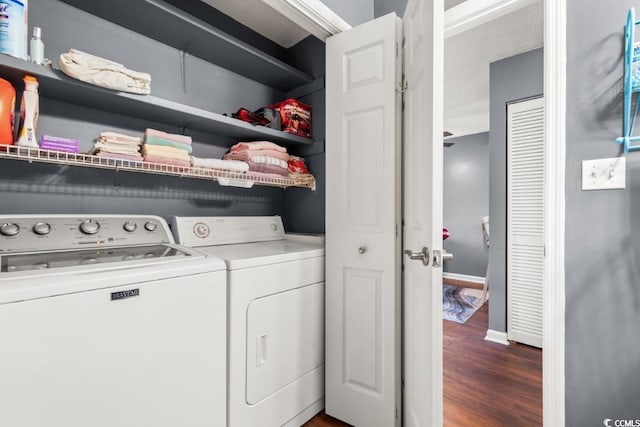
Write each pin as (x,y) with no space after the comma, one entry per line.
(275,314)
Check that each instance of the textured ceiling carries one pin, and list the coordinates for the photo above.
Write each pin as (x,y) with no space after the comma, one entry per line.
(467,59)
(263,19)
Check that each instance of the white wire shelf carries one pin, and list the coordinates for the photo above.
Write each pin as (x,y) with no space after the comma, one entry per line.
(224,178)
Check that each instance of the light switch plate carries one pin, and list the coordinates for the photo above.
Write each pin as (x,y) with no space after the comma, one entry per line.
(604,174)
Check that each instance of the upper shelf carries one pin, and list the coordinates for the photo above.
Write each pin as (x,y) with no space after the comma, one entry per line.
(56,85)
(171,26)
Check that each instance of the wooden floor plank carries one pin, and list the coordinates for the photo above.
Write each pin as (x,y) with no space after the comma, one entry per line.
(485,384)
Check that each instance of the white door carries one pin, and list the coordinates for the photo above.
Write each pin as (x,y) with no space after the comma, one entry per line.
(365,347)
(423,145)
(362,365)
(525,220)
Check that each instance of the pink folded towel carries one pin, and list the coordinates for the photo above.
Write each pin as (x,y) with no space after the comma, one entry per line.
(258,145)
(260,167)
(245,155)
(166,161)
(184,139)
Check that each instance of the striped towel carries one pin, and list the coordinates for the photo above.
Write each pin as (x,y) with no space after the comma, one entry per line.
(250,154)
(266,160)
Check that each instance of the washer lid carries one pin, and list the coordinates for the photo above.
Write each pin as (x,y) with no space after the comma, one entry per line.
(15,262)
(250,255)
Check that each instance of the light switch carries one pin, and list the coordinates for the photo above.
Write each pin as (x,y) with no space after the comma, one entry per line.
(603,174)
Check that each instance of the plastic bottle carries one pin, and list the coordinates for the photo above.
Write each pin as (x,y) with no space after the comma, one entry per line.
(13,28)
(7,112)
(29,111)
(36,46)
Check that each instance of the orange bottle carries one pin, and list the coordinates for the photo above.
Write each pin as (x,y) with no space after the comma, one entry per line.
(7,112)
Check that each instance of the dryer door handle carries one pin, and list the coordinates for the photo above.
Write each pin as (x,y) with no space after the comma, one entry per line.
(261,350)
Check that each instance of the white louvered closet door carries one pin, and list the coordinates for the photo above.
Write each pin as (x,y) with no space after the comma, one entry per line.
(525,221)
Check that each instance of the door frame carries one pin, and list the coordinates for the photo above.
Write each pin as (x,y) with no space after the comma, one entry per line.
(468,15)
(476,12)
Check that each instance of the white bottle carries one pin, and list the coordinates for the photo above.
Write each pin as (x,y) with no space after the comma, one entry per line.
(36,46)
(29,111)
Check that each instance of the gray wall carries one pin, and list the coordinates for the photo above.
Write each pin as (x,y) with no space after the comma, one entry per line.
(466,201)
(355,12)
(602,237)
(304,209)
(514,78)
(382,7)
(39,188)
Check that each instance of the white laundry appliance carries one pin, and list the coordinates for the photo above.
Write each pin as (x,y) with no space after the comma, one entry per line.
(275,314)
(105,322)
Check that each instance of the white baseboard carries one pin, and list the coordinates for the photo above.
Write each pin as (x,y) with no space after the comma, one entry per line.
(464,278)
(497,337)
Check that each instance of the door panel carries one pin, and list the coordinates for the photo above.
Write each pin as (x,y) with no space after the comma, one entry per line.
(525,220)
(422,214)
(362,270)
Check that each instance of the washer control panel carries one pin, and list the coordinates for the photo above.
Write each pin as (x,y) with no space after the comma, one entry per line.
(226,230)
(36,233)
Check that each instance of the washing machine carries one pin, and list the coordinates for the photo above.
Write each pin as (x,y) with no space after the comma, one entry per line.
(105,321)
(275,289)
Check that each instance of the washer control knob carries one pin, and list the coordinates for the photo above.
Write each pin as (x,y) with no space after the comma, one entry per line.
(41,228)
(150,226)
(9,229)
(130,226)
(89,226)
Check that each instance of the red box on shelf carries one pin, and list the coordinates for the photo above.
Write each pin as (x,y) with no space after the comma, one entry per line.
(295,116)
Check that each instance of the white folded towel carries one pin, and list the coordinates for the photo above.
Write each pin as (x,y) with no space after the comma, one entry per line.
(230,165)
(103,72)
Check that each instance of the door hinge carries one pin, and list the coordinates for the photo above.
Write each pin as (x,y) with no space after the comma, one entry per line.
(402,86)
(397,49)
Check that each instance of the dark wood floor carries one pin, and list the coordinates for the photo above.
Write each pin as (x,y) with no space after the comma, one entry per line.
(485,384)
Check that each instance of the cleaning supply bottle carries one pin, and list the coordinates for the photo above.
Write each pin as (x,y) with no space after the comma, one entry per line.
(29,110)
(13,28)
(7,112)
(36,46)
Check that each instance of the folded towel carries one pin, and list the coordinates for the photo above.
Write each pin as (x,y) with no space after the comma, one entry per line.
(166,161)
(259,167)
(184,139)
(53,146)
(103,72)
(168,152)
(117,156)
(250,154)
(116,148)
(156,140)
(231,165)
(266,160)
(258,145)
(117,142)
(120,137)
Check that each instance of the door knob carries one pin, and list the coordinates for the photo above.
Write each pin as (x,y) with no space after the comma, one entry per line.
(362,250)
(440,256)
(423,255)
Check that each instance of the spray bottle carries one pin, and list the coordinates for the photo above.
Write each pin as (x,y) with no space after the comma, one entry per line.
(29,110)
